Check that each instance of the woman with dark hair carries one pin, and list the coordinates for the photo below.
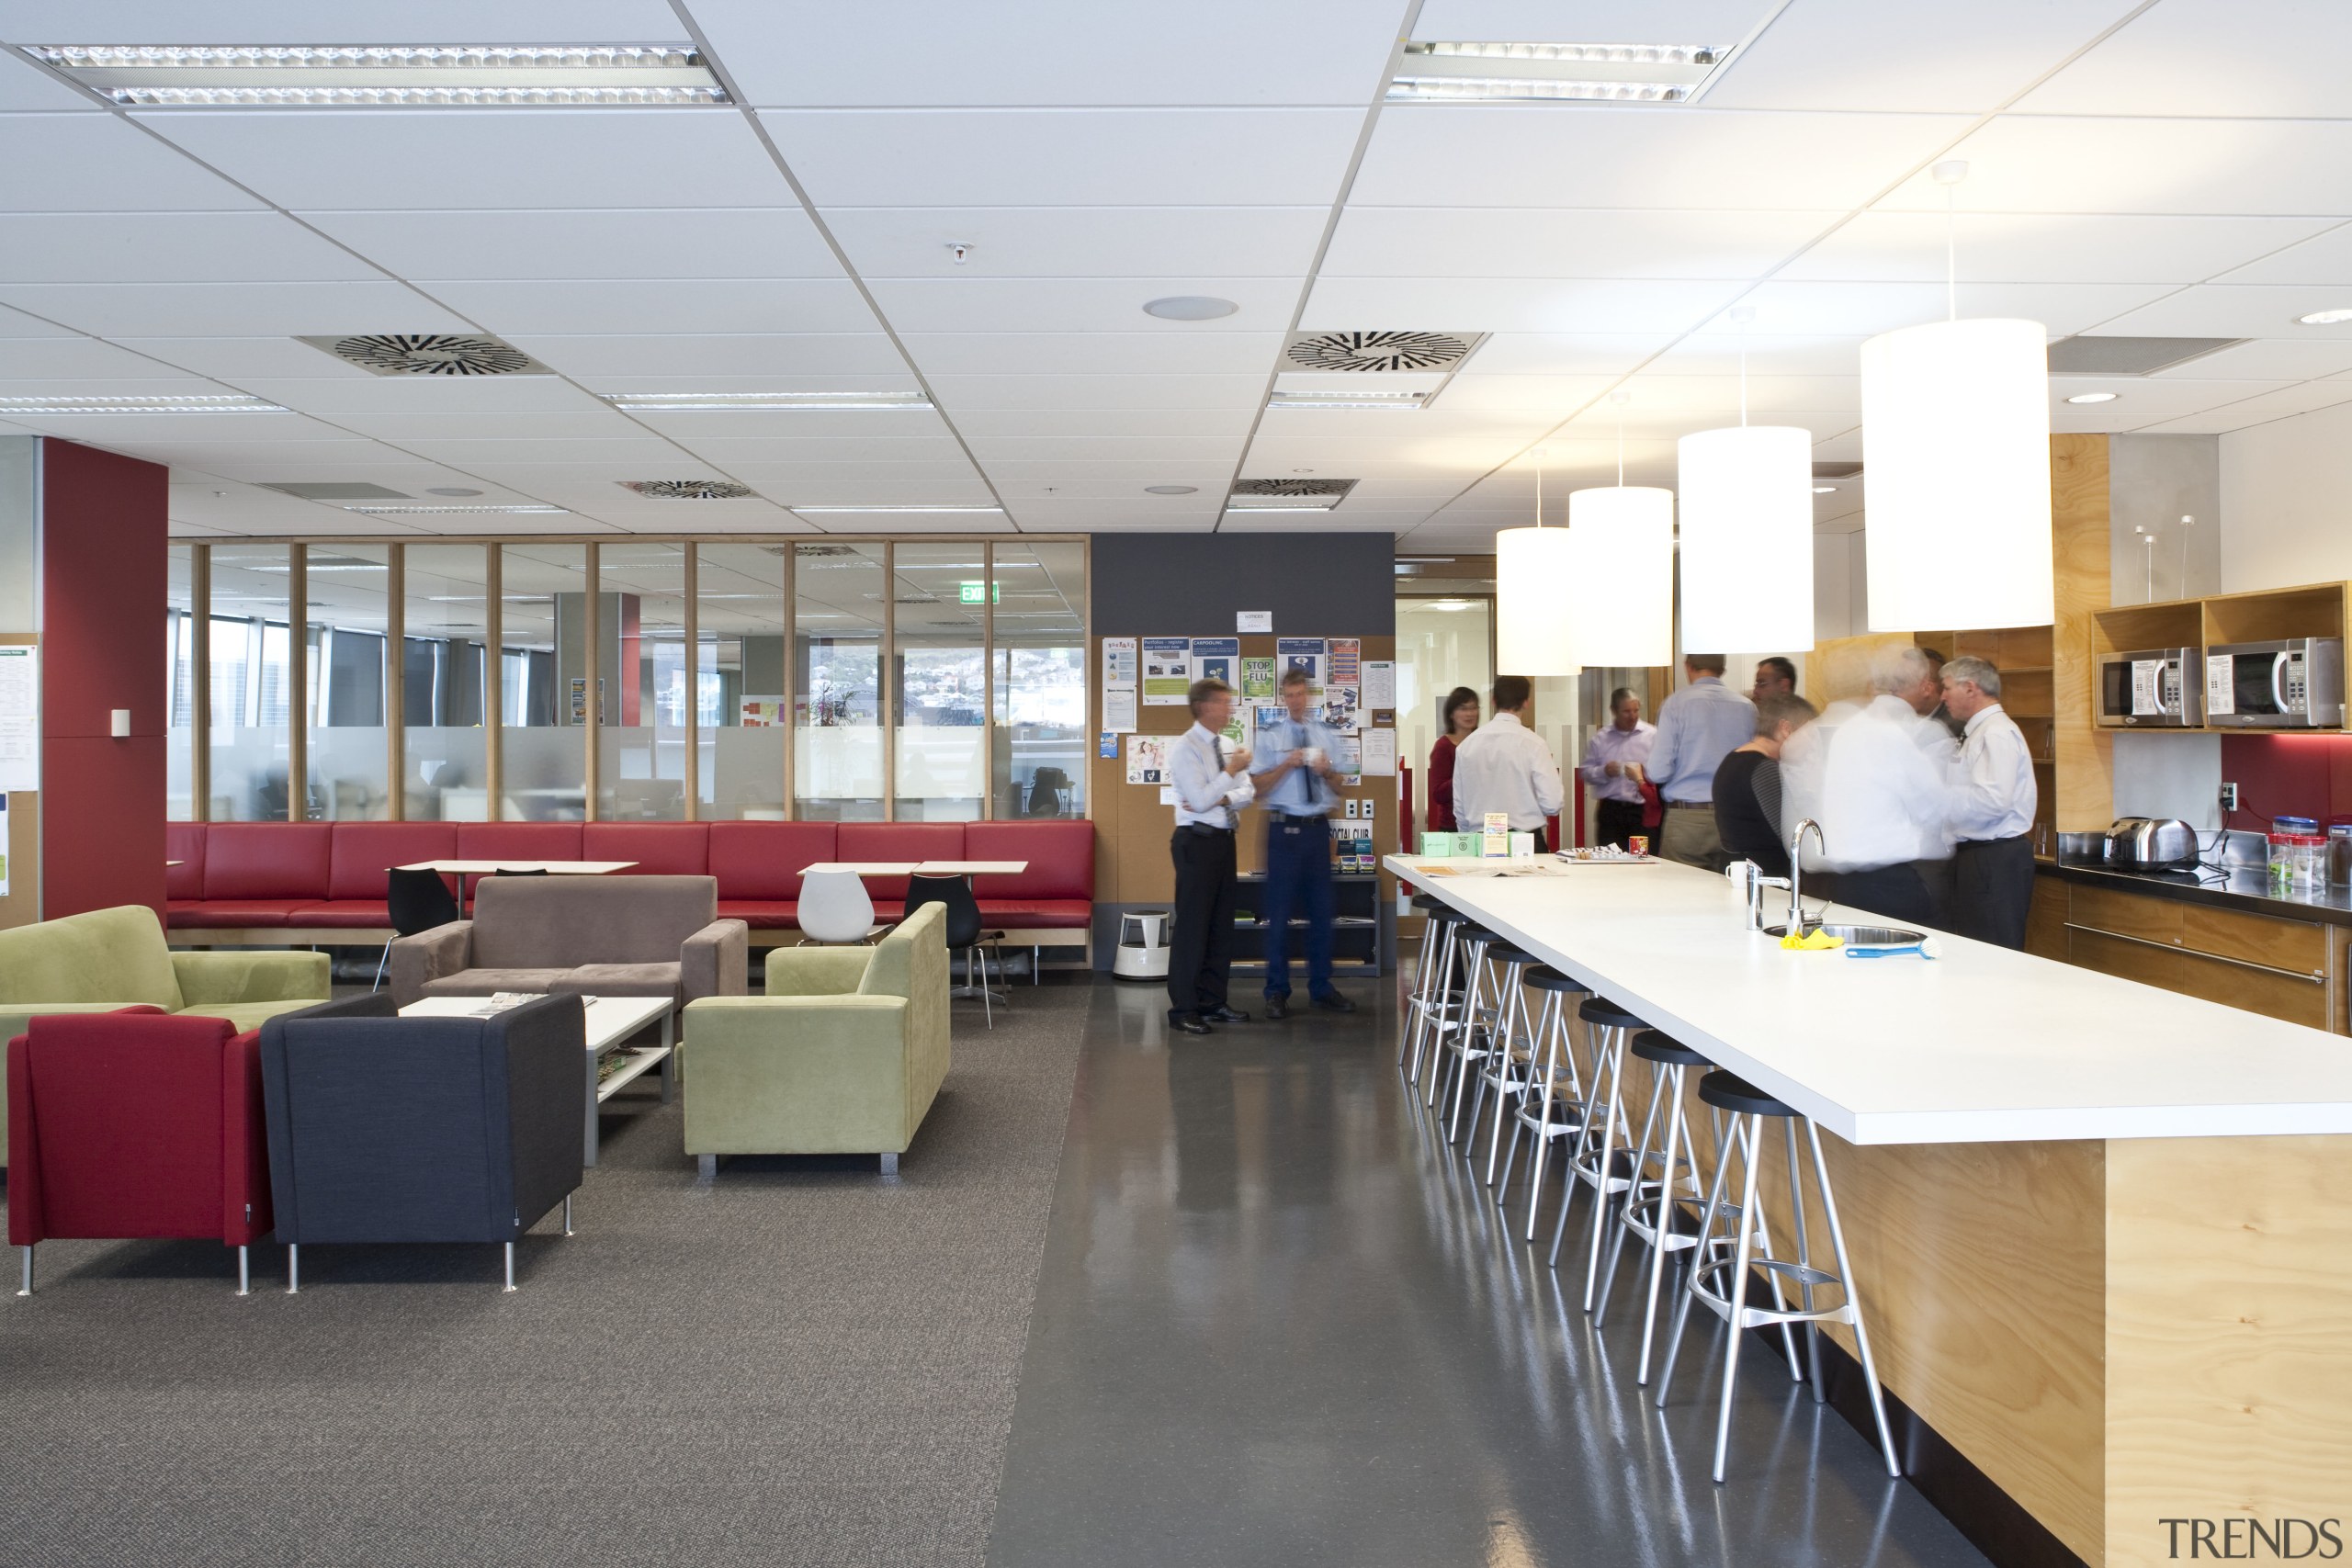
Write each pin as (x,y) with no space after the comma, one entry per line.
(1458,716)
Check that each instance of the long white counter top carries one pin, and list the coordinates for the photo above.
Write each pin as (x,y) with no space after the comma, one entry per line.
(1980,1045)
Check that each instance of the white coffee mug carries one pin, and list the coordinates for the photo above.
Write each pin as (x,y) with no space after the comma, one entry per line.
(1314,756)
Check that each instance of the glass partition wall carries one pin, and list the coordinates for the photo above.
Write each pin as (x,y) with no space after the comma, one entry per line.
(629,679)
(180,685)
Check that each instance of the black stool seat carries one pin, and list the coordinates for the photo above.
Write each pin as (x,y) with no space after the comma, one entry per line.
(1428,901)
(1546,978)
(1518,956)
(1468,932)
(1607,1014)
(1735,1094)
(1655,1046)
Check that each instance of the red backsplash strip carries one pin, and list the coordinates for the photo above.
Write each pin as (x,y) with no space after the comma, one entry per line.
(2302,775)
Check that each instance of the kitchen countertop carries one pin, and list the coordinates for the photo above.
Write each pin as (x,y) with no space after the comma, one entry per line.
(2241,887)
(1982,1045)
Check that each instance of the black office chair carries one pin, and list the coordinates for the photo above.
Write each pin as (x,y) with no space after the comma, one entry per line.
(963,933)
(419,901)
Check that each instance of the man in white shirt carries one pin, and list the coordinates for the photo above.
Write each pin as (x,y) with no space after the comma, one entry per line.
(1503,765)
(1879,781)
(1992,865)
(1211,789)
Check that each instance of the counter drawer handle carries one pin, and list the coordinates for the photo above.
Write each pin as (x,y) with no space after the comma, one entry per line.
(2315,976)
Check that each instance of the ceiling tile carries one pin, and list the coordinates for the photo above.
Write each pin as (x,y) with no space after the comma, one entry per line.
(227,310)
(2257,58)
(641,449)
(1066,158)
(431,396)
(233,359)
(355,21)
(1446,242)
(2325,260)
(77,358)
(2046,247)
(2260,409)
(1138,353)
(359,160)
(1589,21)
(1518,305)
(2157,167)
(1218,424)
(1855,54)
(658,243)
(27,89)
(1565,353)
(591,357)
(1841,309)
(959,394)
(1090,305)
(1594,156)
(169,247)
(1078,242)
(1054,51)
(2222,310)
(727,451)
(545,306)
(95,163)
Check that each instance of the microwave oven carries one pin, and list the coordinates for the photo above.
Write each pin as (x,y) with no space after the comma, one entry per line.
(2153,687)
(2297,684)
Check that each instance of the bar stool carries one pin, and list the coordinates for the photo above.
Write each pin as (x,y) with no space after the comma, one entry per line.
(1553,1106)
(1599,1162)
(1734,1255)
(1431,982)
(1463,1025)
(1513,1053)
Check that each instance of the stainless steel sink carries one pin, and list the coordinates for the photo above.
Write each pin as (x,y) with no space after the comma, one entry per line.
(1858,936)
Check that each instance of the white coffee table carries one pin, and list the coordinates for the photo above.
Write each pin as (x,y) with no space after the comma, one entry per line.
(610,1019)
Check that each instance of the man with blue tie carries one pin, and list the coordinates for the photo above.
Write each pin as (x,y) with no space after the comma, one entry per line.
(1297,785)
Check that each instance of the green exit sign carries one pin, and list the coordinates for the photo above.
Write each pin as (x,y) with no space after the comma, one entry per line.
(982,593)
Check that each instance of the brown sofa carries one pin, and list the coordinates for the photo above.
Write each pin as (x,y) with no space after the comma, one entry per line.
(606,936)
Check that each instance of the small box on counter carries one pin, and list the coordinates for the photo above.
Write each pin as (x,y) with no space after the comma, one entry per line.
(1448,846)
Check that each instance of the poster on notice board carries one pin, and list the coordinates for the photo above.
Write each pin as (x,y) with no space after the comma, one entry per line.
(1167,670)
(1302,653)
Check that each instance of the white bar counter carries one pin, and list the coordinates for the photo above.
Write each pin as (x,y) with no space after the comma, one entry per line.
(1980,1045)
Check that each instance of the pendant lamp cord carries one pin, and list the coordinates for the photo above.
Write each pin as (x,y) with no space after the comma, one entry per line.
(1539,492)
(1951,250)
(1621,445)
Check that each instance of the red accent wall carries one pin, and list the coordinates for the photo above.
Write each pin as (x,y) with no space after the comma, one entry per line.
(104,584)
(2299,776)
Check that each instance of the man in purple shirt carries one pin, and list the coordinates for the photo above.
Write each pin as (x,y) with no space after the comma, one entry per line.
(1612,765)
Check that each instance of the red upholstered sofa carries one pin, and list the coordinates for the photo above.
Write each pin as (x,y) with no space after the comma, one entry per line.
(322,883)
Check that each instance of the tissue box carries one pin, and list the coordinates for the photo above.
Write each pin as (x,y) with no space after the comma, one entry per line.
(1448,846)
(1522,846)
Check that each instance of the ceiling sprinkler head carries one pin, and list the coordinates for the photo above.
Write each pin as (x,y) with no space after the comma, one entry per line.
(961,249)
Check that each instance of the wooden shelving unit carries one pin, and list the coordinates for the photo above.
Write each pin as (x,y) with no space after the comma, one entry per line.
(2272,614)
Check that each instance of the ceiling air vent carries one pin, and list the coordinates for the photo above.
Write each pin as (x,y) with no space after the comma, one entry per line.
(1379,353)
(1288,495)
(430,353)
(2130,356)
(687,490)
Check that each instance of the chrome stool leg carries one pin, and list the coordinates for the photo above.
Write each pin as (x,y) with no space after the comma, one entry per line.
(1417,1000)
(1474,1027)
(1558,1115)
(1511,1069)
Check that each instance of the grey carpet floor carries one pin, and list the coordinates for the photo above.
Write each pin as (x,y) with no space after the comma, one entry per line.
(803,1364)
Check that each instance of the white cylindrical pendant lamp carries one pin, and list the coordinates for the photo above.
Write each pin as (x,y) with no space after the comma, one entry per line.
(1532,583)
(1746,497)
(1622,562)
(1956,475)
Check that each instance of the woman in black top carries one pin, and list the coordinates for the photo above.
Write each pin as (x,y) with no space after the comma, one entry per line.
(1747,786)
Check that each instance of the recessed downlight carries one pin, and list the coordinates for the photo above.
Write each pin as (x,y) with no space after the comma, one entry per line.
(2324,318)
(2094,396)
(1170,490)
(449,490)
(1190,308)
(1825,489)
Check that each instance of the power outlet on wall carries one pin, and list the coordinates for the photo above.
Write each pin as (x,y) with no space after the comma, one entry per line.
(2229,797)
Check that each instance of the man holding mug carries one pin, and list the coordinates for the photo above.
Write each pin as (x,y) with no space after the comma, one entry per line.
(1297,785)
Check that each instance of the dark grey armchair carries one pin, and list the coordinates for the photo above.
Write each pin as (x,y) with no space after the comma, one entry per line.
(389,1129)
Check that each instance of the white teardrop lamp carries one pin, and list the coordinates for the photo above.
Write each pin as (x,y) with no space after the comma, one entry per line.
(1532,579)
(1746,534)
(1956,462)
(1621,557)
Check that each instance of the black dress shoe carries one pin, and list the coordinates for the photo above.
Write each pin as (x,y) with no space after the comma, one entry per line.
(1332,1001)
(1191,1023)
(1224,1015)
(1278,1007)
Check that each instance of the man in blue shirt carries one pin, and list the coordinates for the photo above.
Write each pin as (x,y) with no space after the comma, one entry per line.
(1697,729)
(1297,785)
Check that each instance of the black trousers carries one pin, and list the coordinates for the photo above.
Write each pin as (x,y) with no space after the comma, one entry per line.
(1912,890)
(1200,943)
(1993,890)
(1618,820)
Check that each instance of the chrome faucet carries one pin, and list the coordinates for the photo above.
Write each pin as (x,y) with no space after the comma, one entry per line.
(1796,871)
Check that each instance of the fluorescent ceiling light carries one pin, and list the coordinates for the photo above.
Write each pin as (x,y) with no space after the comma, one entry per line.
(998,510)
(1406,401)
(1454,72)
(237,403)
(303,76)
(2324,318)
(2093,398)
(1285,506)
(755,402)
(410,511)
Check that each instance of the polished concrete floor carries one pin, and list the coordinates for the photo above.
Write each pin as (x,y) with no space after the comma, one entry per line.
(1276,1324)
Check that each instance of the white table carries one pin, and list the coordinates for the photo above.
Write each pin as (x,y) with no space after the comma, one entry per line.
(610,1020)
(922,867)
(461,869)
(1982,1045)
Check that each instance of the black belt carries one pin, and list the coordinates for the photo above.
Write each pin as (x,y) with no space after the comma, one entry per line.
(1689,805)
(1977,843)
(1202,828)
(1296,816)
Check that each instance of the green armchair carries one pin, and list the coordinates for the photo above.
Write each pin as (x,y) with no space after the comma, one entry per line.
(843,1055)
(118,958)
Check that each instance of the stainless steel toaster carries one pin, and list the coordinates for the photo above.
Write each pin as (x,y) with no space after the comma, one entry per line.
(2151,843)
